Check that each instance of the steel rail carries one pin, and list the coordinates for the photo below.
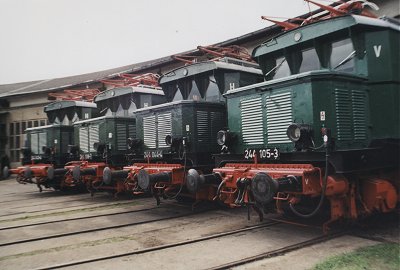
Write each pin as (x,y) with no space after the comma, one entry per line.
(58,208)
(280,251)
(23,241)
(166,246)
(374,238)
(77,218)
(58,202)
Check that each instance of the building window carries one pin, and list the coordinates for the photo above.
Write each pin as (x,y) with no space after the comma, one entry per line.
(11,129)
(17,136)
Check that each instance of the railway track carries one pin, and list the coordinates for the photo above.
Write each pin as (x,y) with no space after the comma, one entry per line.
(22,241)
(78,218)
(280,251)
(64,208)
(162,247)
(47,203)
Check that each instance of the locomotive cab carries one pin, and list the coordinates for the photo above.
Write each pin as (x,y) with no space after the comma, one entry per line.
(317,125)
(179,135)
(103,141)
(50,146)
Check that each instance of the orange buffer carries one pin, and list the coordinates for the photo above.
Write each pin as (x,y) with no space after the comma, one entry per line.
(25,174)
(83,173)
(163,180)
(282,184)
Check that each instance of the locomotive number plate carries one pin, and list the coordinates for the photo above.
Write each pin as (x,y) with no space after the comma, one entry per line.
(153,154)
(266,153)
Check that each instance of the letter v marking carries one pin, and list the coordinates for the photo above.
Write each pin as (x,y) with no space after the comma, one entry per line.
(377,49)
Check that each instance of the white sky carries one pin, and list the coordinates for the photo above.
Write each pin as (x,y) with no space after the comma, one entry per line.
(44,39)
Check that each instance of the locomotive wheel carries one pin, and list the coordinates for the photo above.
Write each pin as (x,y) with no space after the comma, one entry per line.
(263,188)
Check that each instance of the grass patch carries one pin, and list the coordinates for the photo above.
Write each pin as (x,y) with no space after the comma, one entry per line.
(379,257)
(68,212)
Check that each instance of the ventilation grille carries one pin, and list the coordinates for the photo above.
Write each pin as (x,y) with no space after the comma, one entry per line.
(217,123)
(132,131)
(164,128)
(93,136)
(149,130)
(251,115)
(84,139)
(343,114)
(203,136)
(359,103)
(279,117)
(121,136)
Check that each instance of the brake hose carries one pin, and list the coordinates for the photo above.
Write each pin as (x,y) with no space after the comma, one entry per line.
(324,184)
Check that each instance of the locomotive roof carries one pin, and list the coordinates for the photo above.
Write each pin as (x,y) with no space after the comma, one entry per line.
(46,127)
(120,91)
(103,117)
(318,29)
(201,67)
(57,105)
(295,77)
(197,102)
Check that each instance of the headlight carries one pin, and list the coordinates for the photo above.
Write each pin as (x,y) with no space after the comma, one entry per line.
(224,137)
(168,140)
(133,143)
(221,137)
(295,132)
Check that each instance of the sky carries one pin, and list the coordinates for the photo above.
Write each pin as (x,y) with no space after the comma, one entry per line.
(45,39)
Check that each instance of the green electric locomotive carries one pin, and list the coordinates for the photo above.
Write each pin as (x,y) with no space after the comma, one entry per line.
(102,141)
(179,135)
(51,146)
(324,124)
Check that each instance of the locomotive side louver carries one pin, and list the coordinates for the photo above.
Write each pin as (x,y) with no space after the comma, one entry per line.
(121,136)
(203,136)
(208,125)
(217,121)
(343,114)
(93,136)
(164,127)
(149,131)
(279,117)
(84,139)
(351,114)
(359,103)
(252,123)
(132,131)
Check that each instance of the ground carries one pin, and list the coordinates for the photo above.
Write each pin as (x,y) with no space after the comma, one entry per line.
(54,229)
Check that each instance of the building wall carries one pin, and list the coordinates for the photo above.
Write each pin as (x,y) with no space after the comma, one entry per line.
(23,113)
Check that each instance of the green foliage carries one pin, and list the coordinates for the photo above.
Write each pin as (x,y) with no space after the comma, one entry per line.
(379,257)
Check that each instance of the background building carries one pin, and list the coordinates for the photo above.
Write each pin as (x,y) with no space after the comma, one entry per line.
(21,104)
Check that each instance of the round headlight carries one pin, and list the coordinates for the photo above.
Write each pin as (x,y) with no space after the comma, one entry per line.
(294,132)
(221,137)
(168,140)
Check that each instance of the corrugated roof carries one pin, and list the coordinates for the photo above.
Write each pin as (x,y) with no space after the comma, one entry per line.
(8,90)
